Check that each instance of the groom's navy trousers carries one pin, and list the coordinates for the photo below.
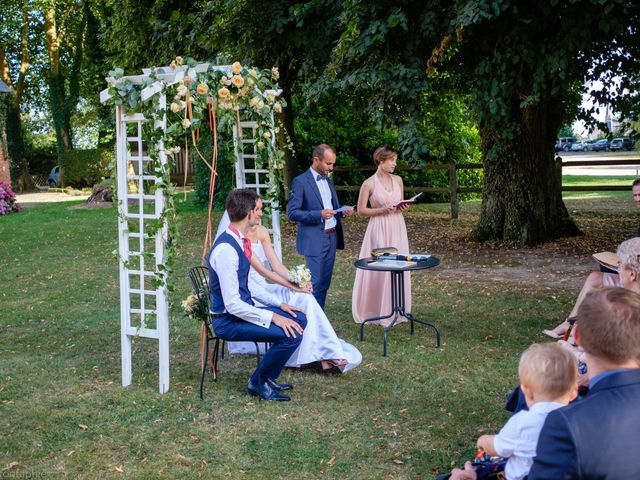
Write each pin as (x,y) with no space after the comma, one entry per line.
(282,347)
(231,328)
(321,266)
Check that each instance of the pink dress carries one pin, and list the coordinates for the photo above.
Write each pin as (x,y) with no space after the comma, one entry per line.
(372,290)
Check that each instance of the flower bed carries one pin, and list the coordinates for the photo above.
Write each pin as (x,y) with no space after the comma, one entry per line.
(8,202)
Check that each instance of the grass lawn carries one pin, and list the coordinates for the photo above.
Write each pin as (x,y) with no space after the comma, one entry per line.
(409,415)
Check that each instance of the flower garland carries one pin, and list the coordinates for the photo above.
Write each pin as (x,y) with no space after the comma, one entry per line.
(203,96)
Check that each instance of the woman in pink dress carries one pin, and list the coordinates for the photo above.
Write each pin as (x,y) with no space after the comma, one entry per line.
(378,196)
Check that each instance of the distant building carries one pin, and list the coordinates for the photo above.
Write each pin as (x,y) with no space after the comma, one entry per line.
(615,123)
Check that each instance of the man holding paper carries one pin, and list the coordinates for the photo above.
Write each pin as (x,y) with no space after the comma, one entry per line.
(314,205)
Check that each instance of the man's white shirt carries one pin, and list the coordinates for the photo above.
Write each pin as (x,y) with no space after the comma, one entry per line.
(224,260)
(325,194)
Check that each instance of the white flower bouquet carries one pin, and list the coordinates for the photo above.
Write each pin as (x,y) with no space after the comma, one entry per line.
(196,306)
(300,275)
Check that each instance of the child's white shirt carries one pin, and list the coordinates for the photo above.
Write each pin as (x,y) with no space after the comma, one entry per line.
(518,438)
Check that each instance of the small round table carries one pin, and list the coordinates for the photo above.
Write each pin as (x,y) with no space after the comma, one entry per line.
(397,294)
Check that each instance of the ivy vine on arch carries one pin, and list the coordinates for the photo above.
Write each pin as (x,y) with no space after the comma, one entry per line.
(179,100)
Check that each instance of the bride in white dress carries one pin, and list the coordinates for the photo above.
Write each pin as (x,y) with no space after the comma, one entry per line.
(319,341)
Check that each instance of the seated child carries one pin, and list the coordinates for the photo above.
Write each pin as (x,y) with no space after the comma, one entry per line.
(548,378)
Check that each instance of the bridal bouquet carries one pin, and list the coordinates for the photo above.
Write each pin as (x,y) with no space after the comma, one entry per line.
(300,275)
(196,306)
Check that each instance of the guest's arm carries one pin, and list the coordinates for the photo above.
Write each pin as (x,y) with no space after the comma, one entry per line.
(556,452)
(403,207)
(485,442)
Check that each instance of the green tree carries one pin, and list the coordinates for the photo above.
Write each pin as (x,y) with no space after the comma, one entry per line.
(64,28)
(15,49)
(297,38)
(523,65)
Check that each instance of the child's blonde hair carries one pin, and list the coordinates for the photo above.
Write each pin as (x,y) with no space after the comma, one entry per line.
(548,369)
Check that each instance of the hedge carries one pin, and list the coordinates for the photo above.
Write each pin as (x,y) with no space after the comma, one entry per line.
(85,168)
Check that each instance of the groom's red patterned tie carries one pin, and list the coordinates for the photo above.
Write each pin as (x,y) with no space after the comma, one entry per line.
(245,241)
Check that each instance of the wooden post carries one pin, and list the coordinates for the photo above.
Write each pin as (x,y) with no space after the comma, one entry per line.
(558,172)
(453,189)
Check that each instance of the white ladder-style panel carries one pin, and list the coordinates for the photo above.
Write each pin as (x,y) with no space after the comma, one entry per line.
(144,310)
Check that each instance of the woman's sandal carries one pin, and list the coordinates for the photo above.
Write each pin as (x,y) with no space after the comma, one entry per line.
(560,331)
(557,332)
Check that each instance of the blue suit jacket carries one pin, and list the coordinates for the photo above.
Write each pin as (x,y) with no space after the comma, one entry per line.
(305,205)
(595,438)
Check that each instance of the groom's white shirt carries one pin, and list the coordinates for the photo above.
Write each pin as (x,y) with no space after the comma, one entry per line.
(224,260)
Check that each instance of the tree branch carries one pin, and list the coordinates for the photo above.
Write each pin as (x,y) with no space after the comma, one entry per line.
(24,61)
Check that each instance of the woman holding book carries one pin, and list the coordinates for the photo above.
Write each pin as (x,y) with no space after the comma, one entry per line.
(380,200)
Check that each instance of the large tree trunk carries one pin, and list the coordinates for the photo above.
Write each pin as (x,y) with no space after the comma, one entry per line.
(522,198)
(19,166)
(62,104)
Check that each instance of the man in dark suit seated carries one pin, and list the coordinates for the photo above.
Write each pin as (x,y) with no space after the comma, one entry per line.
(597,437)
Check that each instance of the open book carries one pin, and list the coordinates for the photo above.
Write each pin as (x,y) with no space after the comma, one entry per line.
(607,259)
(399,264)
(408,202)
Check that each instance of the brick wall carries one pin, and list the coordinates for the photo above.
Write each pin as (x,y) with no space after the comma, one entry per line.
(4,166)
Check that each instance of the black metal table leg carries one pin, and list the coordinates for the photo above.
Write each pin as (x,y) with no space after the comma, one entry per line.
(398,307)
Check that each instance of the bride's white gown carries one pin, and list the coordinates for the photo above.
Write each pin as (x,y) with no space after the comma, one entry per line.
(319,341)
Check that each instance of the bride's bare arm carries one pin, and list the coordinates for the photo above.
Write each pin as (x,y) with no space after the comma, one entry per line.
(272,276)
(274,261)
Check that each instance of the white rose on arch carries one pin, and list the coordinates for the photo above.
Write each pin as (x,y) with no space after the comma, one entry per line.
(182,90)
(237,81)
(186,123)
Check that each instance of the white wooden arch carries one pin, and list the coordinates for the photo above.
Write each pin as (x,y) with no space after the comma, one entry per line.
(250,175)
(144,307)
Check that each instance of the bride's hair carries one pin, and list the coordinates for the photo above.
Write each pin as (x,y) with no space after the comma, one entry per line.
(240,202)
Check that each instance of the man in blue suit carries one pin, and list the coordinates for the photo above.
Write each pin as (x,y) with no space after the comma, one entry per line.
(312,204)
(596,437)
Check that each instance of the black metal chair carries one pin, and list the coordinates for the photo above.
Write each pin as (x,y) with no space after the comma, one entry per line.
(199,277)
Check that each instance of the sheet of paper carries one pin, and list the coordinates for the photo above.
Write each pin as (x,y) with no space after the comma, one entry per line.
(345,208)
